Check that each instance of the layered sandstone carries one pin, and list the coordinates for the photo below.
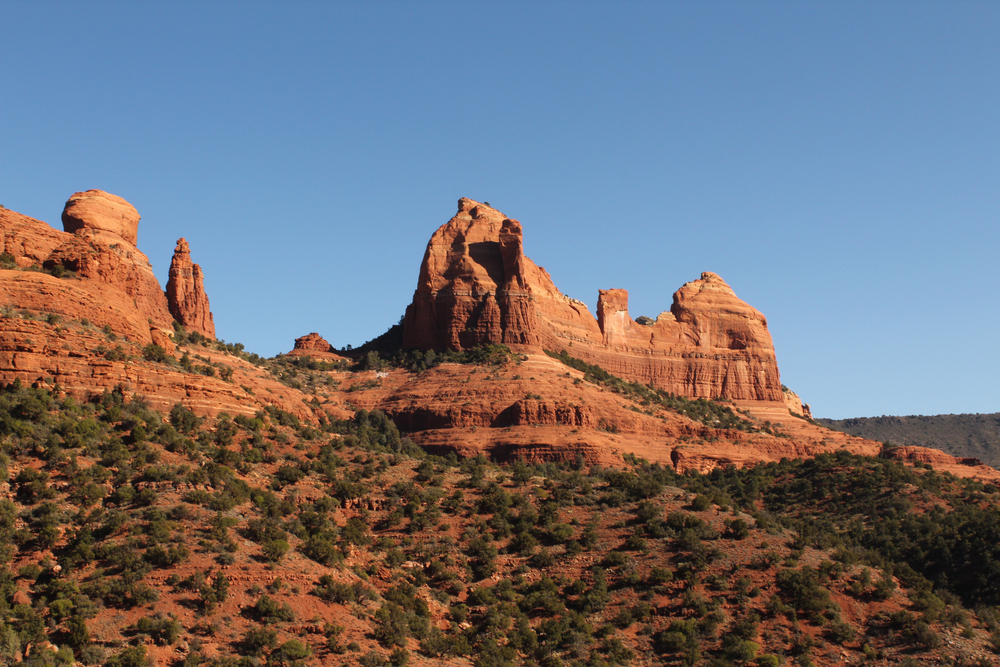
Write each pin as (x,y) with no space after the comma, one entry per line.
(27,240)
(103,214)
(795,404)
(315,346)
(74,357)
(186,296)
(101,247)
(98,247)
(477,287)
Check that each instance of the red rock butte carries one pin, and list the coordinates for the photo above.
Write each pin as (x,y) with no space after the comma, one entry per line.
(477,287)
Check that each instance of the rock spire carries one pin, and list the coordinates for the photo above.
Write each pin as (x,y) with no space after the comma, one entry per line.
(186,292)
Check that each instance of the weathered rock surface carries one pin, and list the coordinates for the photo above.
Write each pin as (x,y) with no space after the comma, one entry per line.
(99,247)
(103,213)
(27,240)
(103,305)
(315,346)
(102,247)
(476,287)
(73,356)
(186,296)
(962,466)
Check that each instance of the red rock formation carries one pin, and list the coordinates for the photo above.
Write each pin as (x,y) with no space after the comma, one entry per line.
(795,404)
(101,212)
(104,231)
(27,240)
(961,466)
(476,286)
(315,346)
(186,296)
(40,294)
(35,351)
(99,247)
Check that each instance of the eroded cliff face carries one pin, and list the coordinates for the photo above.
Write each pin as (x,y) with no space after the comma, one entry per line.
(114,283)
(186,296)
(103,231)
(477,287)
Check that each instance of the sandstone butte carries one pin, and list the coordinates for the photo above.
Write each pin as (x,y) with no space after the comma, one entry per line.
(477,286)
(537,408)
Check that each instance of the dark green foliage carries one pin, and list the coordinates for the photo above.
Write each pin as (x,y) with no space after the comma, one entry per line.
(154,352)
(974,435)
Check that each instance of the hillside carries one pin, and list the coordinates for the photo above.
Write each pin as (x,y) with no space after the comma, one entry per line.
(131,536)
(971,435)
(169,498)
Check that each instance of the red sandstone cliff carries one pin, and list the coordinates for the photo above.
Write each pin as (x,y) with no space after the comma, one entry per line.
(186,296)
(477,286)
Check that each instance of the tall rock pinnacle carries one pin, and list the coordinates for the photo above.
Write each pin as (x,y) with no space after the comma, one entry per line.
(186,293)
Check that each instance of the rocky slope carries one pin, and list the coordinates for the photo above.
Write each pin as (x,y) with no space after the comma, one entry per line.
(477,287)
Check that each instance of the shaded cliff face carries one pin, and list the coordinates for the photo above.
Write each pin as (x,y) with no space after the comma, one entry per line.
(186,296)
(477,287)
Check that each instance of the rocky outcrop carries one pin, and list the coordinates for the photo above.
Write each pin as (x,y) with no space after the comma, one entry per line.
(112,281)
(100,246)
(39,295)
(186,296)
(477,286)
(84,362)
(795,404)
(315,346)
(962,466)
(103,214)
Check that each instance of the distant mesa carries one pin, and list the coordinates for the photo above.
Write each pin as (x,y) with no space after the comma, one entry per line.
(477,286)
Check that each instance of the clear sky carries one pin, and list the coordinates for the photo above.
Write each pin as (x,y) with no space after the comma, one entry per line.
(838,163)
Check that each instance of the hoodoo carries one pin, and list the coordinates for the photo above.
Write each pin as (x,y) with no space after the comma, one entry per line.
(477,287)
(186,292)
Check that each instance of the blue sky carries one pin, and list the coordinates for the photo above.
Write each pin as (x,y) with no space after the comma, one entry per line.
(838,163)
